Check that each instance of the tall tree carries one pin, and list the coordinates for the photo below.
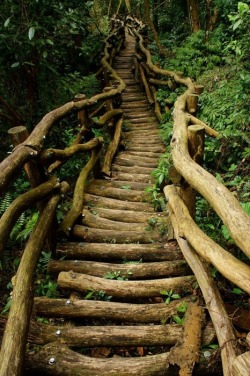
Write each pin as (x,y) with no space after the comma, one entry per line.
(211,16)
(161,49)
(194,18)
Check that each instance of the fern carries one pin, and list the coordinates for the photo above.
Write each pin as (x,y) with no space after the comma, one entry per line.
(5,203)
(29,226)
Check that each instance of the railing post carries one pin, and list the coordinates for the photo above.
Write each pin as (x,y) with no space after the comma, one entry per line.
(108,101)
(33,169)
(83,121)
(196,137)
(192,103)
(36,176)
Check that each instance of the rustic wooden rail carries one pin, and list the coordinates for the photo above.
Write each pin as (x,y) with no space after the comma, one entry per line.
(198,249)
(47,191)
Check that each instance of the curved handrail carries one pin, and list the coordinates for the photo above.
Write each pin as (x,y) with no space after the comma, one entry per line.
(219,197)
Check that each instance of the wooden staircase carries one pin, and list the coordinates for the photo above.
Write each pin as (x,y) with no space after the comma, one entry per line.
(110,321)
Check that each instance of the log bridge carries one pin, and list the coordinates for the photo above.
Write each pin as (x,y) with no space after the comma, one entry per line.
(136,292)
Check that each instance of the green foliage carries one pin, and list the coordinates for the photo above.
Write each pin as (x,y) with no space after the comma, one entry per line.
(156,197)
(97,295)
(44,285)
(48,50)
(117,275)
(8,300)
(161,173)
(240,22)
(203,55)
(170,295)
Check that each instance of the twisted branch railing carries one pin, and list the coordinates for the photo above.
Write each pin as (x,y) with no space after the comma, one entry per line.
(198,249)
(47,191)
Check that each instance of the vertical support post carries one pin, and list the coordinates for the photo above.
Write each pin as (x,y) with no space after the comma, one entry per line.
(33,169)
(192,103)
(36,176)
(196,138)
(83,121)
(108,101)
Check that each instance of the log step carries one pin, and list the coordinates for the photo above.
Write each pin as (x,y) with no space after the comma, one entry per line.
(127,215)
(112,203)
(95,235)
(132,177)
(120,312)
(135,169)
(94,221)
(129,271)
(118,193)
(86,336)
(120,252)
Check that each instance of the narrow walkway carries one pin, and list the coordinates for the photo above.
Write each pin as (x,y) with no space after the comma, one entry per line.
(119,262)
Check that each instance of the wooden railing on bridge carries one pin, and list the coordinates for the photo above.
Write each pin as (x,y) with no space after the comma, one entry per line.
(187,147)
(46,191)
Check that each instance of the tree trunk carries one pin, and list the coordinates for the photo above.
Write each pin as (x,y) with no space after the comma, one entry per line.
(193,12)
(211,17)
(161,49)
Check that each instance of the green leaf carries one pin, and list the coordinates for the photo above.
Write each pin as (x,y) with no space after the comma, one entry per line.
(14,65)
(164,292)
(246,207)
(175,296)
(182,308)
(178,320)
(31,33)
(6,23)
(237,24)
(45,54)
(237,291)
(49,41)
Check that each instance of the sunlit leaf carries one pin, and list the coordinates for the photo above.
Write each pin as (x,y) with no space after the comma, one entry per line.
(14,65)
(31,33)
(6,23)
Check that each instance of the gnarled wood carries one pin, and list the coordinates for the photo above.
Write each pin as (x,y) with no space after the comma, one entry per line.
(85,336)
(50,155)
(220,198)
(241,365)
(76,208)
(64,358)
(94,221)
(186,355)
(112,203)
(14,339)
(124,289)
(129,215)
(89,234)
(233,269)
(214,303)
(107,251)
(21,203)
(112,148)
(130,271)
(122,312)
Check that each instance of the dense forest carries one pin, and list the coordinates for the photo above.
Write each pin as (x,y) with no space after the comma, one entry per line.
(52,51)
